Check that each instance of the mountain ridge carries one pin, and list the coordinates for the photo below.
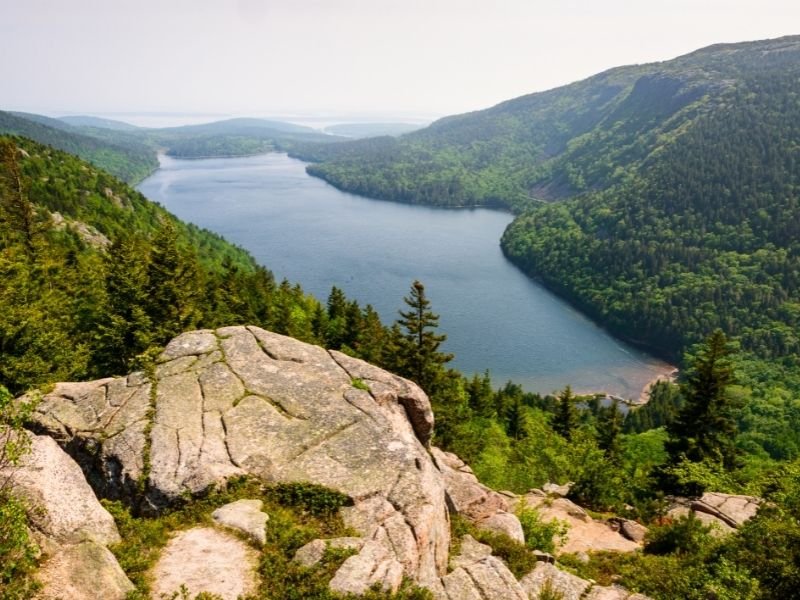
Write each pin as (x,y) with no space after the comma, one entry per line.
(542,144)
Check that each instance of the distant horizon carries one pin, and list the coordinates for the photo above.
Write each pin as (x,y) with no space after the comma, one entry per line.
(417,60)
(319,119)
(158,119)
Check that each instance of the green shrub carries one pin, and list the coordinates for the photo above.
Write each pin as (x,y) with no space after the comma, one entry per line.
(541,535)
(316,499)
(17,551)
(549,592)
(358,383)
(519,558)
(687,535)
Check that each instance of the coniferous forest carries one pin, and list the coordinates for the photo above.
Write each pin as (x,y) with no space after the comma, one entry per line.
(660,199)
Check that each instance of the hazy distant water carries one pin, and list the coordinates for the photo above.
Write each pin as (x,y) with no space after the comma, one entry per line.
(309,232)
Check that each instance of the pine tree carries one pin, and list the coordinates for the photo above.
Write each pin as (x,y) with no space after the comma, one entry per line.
(566,418)
(124,328)
(336,326)
(285,306)
(228,297)
(514,417)
(173,286)
(609,427)
(17,214)
(481,396)
(371,337)
(705,427)
(418,351)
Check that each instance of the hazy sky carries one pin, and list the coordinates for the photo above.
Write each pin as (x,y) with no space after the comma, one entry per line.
(377,56)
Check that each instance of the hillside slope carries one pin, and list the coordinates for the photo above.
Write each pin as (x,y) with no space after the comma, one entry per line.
(551,145)
(98,122)
(129,159)
(93,275)
(703,233)
(130,153)
(233,137)
(677,185)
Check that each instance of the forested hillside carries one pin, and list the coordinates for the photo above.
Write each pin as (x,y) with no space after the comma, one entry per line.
(232,137)
(93,275)
(130,153)
(705,234)
(130,160)
(662,199)
(582,137)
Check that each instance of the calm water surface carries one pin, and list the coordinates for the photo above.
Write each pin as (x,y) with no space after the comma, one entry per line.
(309,232)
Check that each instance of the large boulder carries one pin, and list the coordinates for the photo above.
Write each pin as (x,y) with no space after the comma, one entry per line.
(314,551)
(546,576)
(547,579)
(242,400)
(733,510)
(584,534)
(63,506)
(244,516)
(83,571)
(69,524)
(725,513)
(478,575)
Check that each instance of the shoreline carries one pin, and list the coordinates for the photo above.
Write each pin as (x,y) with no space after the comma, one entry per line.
(644,395)
(631,391)
(669,373)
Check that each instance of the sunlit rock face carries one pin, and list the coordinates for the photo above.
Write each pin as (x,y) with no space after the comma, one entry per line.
(242,400)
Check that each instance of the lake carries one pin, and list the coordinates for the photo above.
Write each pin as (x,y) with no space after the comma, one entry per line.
(311,233)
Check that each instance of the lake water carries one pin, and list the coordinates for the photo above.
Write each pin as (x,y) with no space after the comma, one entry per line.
(311,233)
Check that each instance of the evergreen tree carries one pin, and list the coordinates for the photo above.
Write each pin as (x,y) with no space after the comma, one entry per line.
(17,214)
(335,331)
(481,396)
(609,427)
(514,417)
(125,330)
(566,418)
(419,356)
(705,427)
(228,292)
(172,285)
(260,297)
(371,337)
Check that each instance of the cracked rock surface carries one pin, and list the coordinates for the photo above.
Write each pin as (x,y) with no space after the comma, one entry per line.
(242,400)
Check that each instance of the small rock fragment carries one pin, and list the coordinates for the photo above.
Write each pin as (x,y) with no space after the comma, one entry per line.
(245,516)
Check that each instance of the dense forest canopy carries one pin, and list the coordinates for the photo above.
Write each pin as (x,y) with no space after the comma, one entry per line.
(127,159)
(93,275)
(551,145)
